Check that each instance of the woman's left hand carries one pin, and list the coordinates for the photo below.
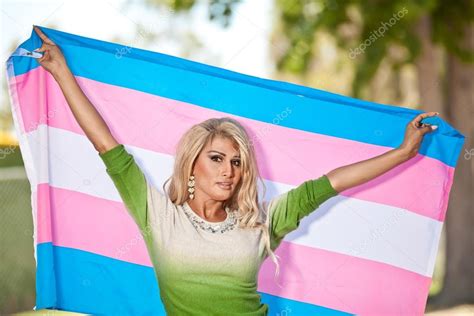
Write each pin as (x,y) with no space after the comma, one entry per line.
(414,134)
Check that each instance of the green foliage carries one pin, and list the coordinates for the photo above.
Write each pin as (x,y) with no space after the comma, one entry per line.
(175,5)
(450,19)
(375,26)
(379,24)
(221,11)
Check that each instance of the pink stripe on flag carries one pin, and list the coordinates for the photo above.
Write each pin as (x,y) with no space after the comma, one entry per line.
(172,118)
(43,214)
(344,282)
(92,224)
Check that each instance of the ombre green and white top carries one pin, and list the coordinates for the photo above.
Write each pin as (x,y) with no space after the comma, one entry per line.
(200,272)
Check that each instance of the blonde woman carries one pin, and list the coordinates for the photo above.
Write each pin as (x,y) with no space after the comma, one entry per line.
(208,234)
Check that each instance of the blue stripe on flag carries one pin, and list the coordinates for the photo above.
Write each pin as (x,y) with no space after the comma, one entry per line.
(90,282)
(223,90)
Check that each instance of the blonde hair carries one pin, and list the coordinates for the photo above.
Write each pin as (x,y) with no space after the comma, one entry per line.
(245,198)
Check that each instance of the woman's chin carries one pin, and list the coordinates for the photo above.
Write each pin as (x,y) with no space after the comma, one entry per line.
(222,196)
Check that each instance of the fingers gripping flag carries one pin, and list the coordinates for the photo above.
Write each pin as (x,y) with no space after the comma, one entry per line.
(370,251)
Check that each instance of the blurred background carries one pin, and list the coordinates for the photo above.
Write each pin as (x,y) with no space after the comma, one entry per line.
(414,54)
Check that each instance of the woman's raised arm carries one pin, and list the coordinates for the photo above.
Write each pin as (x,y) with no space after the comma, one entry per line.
(85,113)
(352,175)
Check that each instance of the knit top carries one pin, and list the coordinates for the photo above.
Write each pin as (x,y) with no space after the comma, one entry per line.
(200,272)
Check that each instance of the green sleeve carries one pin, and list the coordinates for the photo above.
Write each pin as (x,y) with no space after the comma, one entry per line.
(129,181)
(287,209)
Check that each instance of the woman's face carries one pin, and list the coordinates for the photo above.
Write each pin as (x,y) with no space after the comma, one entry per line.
(217,170)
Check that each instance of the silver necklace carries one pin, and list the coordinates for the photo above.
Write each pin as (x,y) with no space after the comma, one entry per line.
(221,227)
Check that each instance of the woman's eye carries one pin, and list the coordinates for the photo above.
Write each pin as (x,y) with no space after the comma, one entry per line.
(216,158)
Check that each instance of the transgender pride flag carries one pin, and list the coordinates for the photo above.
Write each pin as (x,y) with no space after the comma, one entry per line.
(370,250)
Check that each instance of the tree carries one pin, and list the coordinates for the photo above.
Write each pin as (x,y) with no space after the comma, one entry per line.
(459,279)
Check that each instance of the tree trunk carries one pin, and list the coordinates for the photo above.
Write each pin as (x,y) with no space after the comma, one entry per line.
(458,285)
(428,66)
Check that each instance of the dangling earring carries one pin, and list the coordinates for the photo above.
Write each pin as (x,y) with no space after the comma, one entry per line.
(191,187)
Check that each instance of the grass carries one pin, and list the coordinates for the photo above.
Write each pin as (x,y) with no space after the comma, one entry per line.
(10,155)
(17,271)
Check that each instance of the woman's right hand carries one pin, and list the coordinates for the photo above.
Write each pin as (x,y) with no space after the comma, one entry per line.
(53,59)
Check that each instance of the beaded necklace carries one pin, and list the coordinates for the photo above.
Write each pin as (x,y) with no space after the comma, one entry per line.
(221,227)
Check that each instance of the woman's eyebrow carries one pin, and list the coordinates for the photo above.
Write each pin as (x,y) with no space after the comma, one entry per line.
(236,156)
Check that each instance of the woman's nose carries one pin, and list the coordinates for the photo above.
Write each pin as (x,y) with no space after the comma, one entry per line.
(228,170)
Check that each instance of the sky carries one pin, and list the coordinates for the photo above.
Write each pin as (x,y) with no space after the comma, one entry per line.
(243,47)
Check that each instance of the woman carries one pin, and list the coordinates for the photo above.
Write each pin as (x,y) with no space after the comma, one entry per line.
(209,235)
